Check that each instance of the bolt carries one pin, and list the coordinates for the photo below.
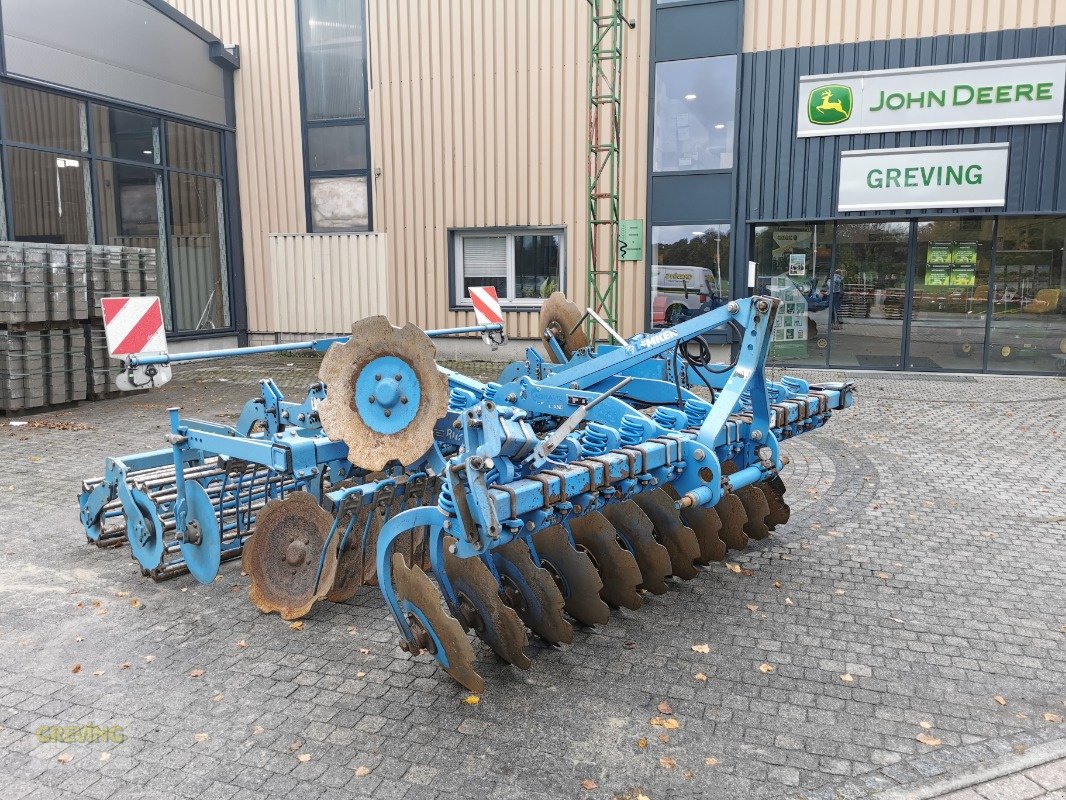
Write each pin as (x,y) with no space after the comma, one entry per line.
(388,413)
(699,455)
(397,377)
(512,397)
(756,435)
(373,399)
(377,377)
(403,399)
(733,307)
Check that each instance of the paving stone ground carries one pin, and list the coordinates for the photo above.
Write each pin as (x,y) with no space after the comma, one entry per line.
(921,577)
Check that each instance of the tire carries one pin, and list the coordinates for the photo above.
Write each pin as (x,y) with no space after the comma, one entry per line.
(674,314)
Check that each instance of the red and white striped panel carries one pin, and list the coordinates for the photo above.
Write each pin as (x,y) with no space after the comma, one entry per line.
(486,305)
(133,325)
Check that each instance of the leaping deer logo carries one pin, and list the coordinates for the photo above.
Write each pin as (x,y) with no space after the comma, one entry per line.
(830,105)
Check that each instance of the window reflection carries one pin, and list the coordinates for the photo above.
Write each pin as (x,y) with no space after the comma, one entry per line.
(44,119)
(123,134)
(690,272)
(197,253)
(694,105)
(50,197)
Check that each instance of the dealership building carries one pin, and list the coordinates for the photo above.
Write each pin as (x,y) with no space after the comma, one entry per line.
(895,173)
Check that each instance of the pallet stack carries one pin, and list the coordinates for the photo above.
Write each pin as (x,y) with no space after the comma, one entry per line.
(52,346)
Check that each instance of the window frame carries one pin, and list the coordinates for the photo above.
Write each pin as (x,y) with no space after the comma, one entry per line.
(456,301)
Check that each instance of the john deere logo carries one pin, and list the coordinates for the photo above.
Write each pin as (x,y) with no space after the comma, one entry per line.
(829,105)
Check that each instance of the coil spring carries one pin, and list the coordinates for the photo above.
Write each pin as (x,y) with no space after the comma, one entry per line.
(631,431)
(670,418)
(460,399)
(445,501)
(696,411)
(492,389)
(594,440)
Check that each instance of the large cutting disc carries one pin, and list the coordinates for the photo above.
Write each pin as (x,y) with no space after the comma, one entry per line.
(283,556)
(202,546)
(532,592)
(436,630)
(575,575)
(384,393)
(731,511)
(558,317)
(616,565)
(633,525)
(779,509)
(144,530)
(355,564)
(706,524)
(756,508)
(482,609)
(680,541)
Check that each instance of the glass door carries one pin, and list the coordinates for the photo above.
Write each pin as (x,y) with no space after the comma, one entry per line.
(868,292)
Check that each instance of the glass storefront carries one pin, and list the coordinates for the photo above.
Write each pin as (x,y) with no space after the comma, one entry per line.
(79,172)
(689,273)
(953,294)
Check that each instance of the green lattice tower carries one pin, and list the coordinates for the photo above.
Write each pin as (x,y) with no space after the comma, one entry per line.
(606,28)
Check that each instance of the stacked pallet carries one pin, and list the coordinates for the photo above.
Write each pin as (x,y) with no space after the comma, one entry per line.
(52,346)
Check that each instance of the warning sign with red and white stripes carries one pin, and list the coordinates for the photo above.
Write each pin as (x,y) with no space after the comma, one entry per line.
(486,305)
(133,325)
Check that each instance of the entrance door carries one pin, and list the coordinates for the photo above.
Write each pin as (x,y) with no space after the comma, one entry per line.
(868,294)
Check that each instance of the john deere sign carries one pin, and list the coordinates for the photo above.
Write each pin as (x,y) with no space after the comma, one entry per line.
(1023,91)
(955,176)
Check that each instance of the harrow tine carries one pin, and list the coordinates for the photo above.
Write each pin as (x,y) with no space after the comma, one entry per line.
(755,506)
(574,573)
(779,509)
(633,526)
(707,526)
(731,512)
(616,565)
(481,608)
(434,628)
(680,541)
(532,592)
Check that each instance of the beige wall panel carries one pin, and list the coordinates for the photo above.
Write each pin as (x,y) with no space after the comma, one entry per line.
(325,282)
(478,118)
(775,24)
(269,145)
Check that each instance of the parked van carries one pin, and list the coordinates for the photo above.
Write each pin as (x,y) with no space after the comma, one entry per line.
(682,292)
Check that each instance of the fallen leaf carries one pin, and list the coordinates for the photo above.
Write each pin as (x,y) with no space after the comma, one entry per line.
(303,758)
(362,772)
(711,761)
(733,567)
(663,738)
(752,607)
(1018,749)
(700,677)
(665,722)
(847,677)
(788,601)
(351,631)
(364,651)
(894,619)
(747,573)
(689,775)
(76,669)
(665,708)
(1000,699)
(97,673)
(196,673)
(125,665)
(924,724)
(701,648)
(667,762)
(360,674)
(839,591)
(122,594)
(883,576)
(777,584)
(472,700)
(64,758)
(76,639)
(136,603)
(588,784)
(927,739)
(149,659)
(258,729)
(105,756)
(642,743)
(1049,717)
(217,698)
(298,625)
(242,644)
(201,737)
(766,669)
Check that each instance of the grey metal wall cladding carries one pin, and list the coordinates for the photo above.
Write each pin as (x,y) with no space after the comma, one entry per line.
(679,199)
(780,177)
(123,49)
(711,29)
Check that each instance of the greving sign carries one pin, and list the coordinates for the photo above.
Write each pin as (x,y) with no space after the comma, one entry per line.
(1024,91)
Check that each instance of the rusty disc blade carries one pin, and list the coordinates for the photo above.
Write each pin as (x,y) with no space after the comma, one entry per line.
(415,590)
(574,573)
(707,526)
(558,317)
(755,506)
(633,525)
(731,512)
(355,565)
(680,540)
(482,609)
(616,565)
(779,509)
(283,556)
(532,592)
(374,417)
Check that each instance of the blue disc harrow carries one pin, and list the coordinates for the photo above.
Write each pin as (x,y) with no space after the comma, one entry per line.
(582,480)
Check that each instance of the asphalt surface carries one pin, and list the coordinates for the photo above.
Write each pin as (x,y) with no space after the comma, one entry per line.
(909,622)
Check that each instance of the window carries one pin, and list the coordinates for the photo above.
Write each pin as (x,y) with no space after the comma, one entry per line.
(198,253)
(333,96)
(123,134)
(694,104)
(690,271)
(524,266)
(44,119)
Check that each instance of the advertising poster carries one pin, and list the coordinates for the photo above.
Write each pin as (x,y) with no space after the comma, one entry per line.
(963,276)
(964,253)
(797,264)
(939,253)
(937,276)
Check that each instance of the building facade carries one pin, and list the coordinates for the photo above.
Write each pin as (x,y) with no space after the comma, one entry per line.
(299,164)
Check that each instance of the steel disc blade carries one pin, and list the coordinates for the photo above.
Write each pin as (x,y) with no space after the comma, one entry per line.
(680,540)
(532,592)
(575,575)
(779,509)
(283,556)
(707,526)
(482,609)
(731,512)
(560,316)
(384,393)
(355,564)
(144,529)
(447,641)
(202,551)
(616,565)
(633,525)
(757,509)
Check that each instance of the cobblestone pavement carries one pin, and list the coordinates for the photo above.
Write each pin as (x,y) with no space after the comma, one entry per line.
(917,594)
(1046,782)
